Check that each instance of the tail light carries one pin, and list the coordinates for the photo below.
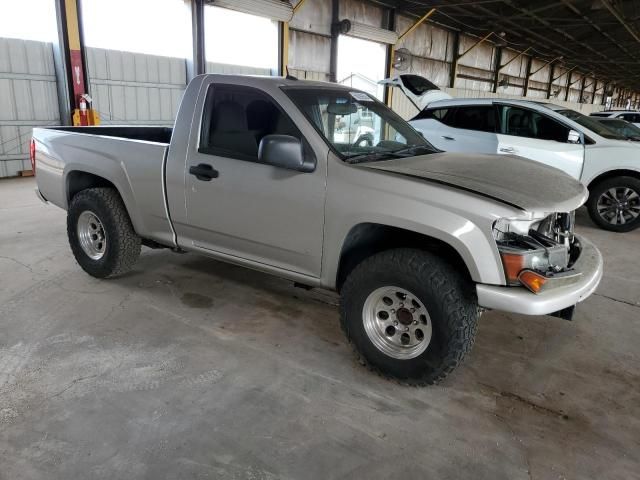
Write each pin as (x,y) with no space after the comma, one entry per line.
(32,155)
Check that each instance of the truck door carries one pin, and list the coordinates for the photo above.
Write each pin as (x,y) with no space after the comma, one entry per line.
(533,135)
(257,212)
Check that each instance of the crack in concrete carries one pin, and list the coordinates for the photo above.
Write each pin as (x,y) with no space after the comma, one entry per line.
(626,302)
(73,382)
(18,262)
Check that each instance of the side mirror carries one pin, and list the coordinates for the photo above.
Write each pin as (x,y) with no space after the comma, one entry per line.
(574,137)
(284,151)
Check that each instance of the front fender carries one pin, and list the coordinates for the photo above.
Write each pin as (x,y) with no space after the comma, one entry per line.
(460,219)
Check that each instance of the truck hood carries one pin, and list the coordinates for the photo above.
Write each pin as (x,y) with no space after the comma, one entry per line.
(525,184)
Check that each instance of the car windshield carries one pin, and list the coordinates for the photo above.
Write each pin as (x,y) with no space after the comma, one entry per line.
(622,127)
(357,126)
(592,124)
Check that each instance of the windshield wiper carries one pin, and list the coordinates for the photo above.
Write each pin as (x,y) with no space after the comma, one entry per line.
(367,157)
(401,153)
(410,151)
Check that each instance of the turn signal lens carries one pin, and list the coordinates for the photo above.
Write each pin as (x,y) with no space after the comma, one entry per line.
(532,280)
(513,265)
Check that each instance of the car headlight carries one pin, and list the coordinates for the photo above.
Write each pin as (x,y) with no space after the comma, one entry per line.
(534,250)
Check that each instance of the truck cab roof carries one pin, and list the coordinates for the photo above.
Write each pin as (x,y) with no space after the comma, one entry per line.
(276,81)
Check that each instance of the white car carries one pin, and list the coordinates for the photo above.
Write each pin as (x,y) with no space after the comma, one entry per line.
(632,116)
(604,161)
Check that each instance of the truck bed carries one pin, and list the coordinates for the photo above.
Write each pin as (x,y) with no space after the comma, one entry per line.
(146,133)
(131,158)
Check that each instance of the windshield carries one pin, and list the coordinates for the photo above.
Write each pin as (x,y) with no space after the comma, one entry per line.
(592,124)
(357,126)
(622,127)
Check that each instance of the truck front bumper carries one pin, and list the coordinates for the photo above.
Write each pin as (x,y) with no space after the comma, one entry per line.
(520,300)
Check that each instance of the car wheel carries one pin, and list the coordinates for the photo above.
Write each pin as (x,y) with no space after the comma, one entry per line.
(409,315)
(614,204)
(100,233)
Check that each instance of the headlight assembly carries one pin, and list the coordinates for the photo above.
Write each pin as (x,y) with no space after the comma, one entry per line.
(535,251)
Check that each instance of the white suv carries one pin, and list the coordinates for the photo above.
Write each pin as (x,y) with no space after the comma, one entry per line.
(604,161)
(632,116)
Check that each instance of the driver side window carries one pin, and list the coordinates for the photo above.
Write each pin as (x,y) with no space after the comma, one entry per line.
(521,122)
(237,118)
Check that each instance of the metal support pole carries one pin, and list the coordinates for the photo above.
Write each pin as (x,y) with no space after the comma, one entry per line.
(61,65)
(284,49)
(568,87)
(582,87)
(284,42)
(454,64)
(76,68)
(388,68)
(333,52)
(550,84)
(527,76)
(496,73)
(196,65)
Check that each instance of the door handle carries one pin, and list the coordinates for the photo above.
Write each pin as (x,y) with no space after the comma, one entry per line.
(508,150)
(204,172)
(447,137)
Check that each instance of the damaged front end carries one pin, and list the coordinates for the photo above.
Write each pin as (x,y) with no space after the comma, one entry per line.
(538,254)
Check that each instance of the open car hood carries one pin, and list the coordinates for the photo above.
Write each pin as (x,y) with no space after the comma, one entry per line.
(510,179)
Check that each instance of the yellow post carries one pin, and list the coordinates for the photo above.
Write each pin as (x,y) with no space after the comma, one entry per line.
(82,115)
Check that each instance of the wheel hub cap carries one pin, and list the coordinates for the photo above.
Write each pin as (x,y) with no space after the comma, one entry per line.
(397,322)
(404,316)
(619,205)
(91,235)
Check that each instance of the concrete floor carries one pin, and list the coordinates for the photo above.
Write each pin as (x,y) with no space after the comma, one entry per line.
(190,368)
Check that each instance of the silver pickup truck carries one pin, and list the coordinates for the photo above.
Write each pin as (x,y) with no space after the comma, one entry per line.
(256,172)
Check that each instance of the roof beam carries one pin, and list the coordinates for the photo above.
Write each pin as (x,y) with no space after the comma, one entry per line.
(614,11)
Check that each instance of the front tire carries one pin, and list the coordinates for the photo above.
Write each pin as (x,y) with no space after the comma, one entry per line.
(409,315)
(100,233)
(614,204)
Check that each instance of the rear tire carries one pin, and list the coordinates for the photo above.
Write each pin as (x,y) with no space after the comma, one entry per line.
(100,233)
(613,200)
(385,300)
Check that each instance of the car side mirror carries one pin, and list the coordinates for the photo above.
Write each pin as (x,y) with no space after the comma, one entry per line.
(284,151)
(573,137)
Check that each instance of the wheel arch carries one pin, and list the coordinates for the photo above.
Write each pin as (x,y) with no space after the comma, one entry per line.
(612,174)
(79,180)
(366,239)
